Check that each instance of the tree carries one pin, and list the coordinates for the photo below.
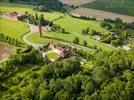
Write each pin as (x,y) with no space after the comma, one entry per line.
(89,88)
(44,95)
(36,16)
(115,42)
(85,43)
(46,60)
(42,20)
(76,40)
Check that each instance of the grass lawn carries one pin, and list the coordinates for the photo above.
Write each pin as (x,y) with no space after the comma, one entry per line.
(12,28)
(10,7)
(74,25)
(52,55)
(54,36)
(118,6)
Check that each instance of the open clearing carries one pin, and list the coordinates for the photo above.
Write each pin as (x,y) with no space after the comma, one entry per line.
(125,7)
(76,2)
(13,29)
(100,15)
(5,51)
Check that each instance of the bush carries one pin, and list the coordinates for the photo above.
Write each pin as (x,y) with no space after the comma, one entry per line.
(85,43)
(115,43)
(22,17)
(76,40)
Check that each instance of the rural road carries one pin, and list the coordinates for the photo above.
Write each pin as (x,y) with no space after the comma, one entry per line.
(33,29)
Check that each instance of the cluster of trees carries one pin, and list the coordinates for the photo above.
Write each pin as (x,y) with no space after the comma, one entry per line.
(85,31)
(111,78)
(77,41)
(48,5)
(21,59)
(58,28)
(9,40)
(83,17)
(43,5)
(35,19)
(120,31)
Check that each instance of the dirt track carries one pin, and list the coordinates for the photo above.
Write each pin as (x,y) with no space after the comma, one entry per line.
(76,2)
(100,15)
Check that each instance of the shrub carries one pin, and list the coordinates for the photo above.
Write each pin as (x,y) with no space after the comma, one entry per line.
(115,43)
(85,43)
(76,40)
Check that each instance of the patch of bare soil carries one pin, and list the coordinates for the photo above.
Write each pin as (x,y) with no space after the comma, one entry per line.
(76,2)
(100,15)
(5,51)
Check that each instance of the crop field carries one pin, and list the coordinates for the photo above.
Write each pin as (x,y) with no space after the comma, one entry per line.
(76,2)
(118,6)
(6,7)
(5,51)
(100,14)
(13,28)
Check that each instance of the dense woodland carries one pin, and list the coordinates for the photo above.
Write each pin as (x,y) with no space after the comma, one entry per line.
(110,78)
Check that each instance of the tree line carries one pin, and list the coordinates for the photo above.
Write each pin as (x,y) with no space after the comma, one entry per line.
(9,40)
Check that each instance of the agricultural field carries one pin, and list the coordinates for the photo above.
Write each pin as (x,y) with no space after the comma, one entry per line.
(5,51)
(6,7)
(100,14)
(125,7)
(13,29)
(76,2)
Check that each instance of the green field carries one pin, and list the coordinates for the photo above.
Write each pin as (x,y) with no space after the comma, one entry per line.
(52,55)
(14,29)
(118,6)
(74,26)
(6,7)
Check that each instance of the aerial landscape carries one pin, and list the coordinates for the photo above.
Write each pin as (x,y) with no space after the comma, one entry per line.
(66,49)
